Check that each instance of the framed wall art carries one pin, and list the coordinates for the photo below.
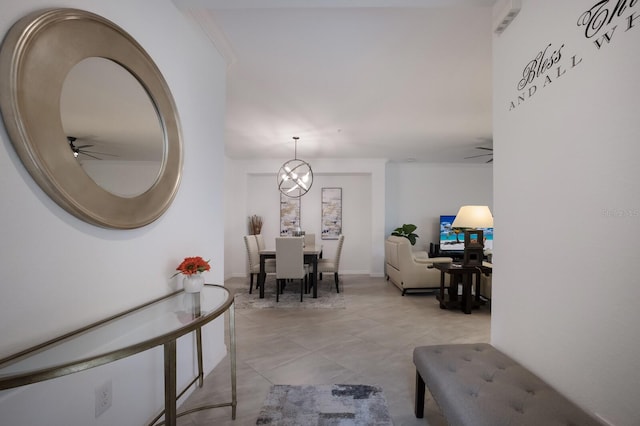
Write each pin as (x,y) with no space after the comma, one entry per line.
(331,213)
(289,215)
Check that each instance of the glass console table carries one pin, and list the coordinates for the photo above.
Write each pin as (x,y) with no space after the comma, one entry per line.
(159,322)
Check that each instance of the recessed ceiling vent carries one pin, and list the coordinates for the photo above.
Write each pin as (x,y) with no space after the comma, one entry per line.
(504,11)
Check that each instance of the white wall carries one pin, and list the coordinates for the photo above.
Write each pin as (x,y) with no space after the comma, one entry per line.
(59,273)
(419,193)
(567,177)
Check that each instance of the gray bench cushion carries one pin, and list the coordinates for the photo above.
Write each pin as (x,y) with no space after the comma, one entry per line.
(476,384)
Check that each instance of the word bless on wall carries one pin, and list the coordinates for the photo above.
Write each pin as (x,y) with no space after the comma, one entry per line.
(547,66)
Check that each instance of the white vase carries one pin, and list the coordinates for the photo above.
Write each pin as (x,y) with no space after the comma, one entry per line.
(193,283)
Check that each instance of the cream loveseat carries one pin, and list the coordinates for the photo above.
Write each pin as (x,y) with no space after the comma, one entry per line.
(410,270)
(485,286)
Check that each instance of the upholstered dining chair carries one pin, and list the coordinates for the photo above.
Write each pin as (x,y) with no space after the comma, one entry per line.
(290,263)
(309,240)
(260,241)
(332,265)
(253,256)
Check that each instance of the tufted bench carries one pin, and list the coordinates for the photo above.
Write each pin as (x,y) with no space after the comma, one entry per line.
(476,384)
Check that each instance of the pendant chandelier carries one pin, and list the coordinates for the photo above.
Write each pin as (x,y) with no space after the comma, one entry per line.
(295,176)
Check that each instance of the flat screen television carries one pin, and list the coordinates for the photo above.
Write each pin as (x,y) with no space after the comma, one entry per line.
(452,240)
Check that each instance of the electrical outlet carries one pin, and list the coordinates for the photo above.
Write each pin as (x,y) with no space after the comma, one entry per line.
(103,398)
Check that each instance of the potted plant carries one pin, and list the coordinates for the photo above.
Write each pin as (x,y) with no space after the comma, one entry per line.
(192,269)
(255,225)
(406,231)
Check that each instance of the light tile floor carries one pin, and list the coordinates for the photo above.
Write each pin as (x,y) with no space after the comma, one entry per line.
(369,342)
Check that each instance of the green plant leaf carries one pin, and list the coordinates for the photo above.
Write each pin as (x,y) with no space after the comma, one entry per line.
(406,231)
(409,228)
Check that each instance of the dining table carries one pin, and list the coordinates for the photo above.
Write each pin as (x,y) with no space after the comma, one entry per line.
(311,254)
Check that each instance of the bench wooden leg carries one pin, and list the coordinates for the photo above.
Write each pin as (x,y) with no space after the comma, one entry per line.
(419,396)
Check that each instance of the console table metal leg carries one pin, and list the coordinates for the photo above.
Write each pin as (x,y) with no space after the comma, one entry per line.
(170,386)
(170,383)
(200,363)
(232,356)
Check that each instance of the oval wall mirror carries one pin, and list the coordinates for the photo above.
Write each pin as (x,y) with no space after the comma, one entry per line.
(67,78)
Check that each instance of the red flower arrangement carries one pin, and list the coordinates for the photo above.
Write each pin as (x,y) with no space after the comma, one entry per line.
(192,265)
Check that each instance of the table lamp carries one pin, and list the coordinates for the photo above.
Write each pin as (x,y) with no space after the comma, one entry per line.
(470,218)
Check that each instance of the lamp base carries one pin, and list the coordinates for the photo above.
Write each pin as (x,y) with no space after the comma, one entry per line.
(473,247)
(473,257)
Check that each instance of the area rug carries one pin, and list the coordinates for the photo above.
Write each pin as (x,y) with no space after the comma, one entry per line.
(290,299)
(325,405)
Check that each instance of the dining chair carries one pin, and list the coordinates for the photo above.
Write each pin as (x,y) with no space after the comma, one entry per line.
(253,256)
(262,246)
(260,241)
(290,263)
(309,240)
(332,265)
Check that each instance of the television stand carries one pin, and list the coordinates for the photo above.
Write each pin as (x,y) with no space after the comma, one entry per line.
(434,251)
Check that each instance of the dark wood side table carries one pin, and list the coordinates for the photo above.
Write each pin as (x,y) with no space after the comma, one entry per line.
(459,274)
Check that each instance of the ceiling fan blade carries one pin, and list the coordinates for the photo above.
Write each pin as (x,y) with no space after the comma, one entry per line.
(482,147)
(84,146)
(490,161)
(89,155)
(99,153)
(476,156)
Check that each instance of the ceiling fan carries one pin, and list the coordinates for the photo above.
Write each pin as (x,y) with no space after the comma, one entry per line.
(81,149)
(490,153)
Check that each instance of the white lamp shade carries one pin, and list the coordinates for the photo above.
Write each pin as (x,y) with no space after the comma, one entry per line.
(473,217)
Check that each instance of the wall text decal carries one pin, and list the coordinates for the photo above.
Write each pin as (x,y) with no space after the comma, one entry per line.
(539,65)
(601,20)
(542,70)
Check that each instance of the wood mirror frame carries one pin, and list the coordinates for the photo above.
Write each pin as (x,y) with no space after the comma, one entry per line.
(36,56)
